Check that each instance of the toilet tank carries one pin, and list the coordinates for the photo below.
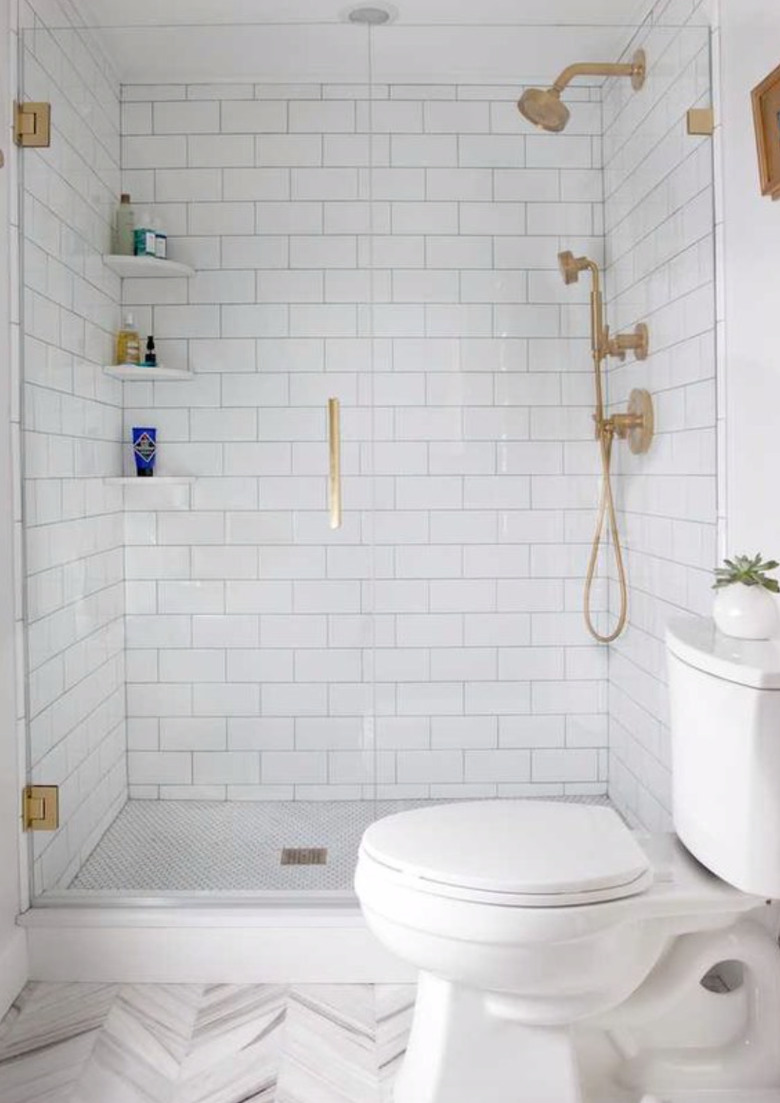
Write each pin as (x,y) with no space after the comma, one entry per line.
(725,738)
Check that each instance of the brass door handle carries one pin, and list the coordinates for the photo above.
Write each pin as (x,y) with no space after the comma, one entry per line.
(334,453)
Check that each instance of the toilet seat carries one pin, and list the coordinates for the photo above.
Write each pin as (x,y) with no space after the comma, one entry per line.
(524,854)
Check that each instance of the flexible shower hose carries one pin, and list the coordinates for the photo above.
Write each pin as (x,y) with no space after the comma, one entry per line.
(606,516)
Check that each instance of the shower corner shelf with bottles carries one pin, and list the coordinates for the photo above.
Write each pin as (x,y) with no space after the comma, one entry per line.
(147,268)
(141,373)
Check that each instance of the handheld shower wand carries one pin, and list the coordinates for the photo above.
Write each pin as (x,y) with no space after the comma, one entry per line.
(636,426)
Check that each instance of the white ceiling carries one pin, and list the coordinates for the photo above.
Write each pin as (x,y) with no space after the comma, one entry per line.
(292,41)
(145,13)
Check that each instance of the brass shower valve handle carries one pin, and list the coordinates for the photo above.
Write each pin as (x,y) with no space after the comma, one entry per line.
(637,342)
(636,425)
(622,424)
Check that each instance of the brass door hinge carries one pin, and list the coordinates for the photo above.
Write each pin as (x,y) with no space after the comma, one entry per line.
(41,808)
(33,124)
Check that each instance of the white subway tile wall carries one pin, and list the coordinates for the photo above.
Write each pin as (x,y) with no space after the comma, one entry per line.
(433,644)
(72,431)
(659,213)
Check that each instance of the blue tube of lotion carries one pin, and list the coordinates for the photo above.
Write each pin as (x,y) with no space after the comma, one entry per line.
(144,450)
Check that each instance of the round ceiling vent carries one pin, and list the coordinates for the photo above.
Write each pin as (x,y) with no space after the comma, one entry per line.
(371,16)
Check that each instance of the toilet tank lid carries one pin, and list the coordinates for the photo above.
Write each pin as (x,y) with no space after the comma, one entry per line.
(697,642)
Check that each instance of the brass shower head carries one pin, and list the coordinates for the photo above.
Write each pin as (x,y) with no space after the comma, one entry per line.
(544,108)
(571,266)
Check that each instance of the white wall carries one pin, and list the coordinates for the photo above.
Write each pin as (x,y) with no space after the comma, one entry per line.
(659,207)
(750,33)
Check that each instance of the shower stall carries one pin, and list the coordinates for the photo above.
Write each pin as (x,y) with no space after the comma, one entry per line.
(303,622)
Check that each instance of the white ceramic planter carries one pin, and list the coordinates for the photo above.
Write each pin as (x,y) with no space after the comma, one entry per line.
(746,612)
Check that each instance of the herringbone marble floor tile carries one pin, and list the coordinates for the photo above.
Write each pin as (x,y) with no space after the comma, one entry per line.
(236,1046)
(86,1043)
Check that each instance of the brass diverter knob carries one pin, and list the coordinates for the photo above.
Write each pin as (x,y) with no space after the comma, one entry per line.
(637,342)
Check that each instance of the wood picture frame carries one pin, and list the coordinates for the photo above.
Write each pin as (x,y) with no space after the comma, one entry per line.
(766,116)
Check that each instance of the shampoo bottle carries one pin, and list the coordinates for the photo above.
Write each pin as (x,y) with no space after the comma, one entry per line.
(124,227)
(144,450)
(128,343)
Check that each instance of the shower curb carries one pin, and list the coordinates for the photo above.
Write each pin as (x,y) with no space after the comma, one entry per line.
(229,945)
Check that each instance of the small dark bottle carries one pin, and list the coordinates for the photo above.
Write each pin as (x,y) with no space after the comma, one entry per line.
(151,353)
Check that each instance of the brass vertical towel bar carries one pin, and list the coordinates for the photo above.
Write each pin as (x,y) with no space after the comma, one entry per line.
(334,452)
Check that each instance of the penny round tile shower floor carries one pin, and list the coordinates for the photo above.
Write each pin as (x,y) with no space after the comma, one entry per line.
(208,846)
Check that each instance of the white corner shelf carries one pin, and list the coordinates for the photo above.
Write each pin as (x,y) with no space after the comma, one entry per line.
(147,267)
(153,480)
(139,373)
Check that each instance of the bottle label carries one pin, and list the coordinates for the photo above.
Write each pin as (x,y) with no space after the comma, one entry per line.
(145,243)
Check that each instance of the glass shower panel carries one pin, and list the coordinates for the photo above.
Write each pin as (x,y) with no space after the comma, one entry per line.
(72,431)
(201,643)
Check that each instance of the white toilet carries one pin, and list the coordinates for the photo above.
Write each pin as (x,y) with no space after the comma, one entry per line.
(529,918)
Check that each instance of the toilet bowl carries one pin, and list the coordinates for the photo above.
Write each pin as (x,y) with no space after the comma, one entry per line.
(509,963)
(529,920)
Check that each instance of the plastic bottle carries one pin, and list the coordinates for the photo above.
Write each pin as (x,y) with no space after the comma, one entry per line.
(160,239)
(124,227)
(128,343)
(150,361)
(145,237)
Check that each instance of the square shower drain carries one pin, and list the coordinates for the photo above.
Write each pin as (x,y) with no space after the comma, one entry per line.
(304,856)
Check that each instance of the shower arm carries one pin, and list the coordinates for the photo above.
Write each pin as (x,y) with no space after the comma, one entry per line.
(596,69)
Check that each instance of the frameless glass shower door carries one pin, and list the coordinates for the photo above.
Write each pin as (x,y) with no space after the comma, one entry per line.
(200,643)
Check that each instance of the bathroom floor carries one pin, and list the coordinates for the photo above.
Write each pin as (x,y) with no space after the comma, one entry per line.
(87,1043)
(196,846)
(112,1043)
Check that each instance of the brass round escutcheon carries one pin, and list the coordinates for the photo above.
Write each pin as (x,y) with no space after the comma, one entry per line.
(640,405)
(642,349)
(639,61)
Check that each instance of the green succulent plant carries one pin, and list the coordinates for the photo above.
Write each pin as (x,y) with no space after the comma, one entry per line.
(750,572)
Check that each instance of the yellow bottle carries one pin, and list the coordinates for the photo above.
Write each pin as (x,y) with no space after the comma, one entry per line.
(128,343)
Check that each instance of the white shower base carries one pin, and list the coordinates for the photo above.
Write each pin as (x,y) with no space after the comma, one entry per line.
(163,847)
(194,893)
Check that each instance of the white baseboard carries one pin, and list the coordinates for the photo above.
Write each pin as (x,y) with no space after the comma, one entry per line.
(229,946)
(14,971)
